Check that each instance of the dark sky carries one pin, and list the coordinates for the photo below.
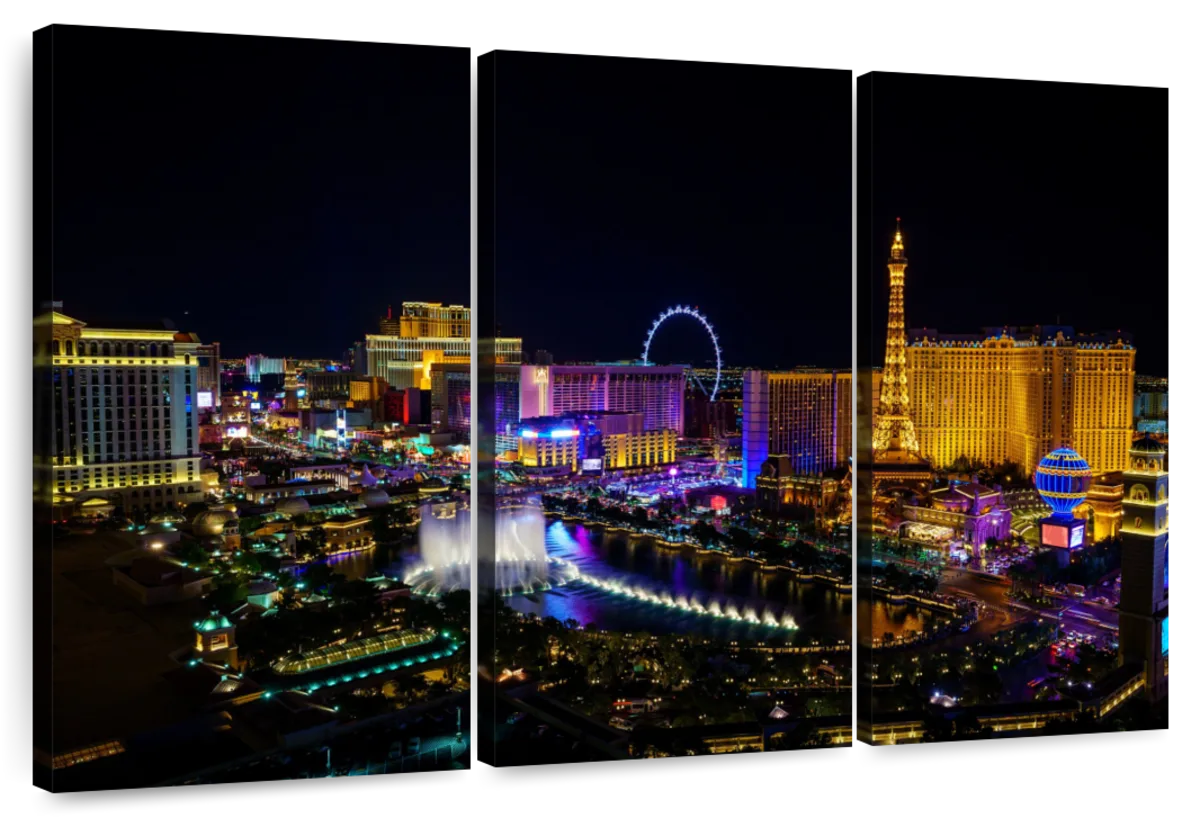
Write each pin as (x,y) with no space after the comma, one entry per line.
(282,192)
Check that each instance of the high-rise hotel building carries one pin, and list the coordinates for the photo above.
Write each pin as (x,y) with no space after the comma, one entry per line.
(805,415)
(423,319)
(125,417)
(424,334)
(656,392)
(522,392)
(1014,394)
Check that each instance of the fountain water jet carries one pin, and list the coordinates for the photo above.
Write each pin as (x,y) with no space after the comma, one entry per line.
(522,566)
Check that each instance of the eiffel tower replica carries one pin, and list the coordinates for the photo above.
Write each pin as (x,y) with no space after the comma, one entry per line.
(896,456)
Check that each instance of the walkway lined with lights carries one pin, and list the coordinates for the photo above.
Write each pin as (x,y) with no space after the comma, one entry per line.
(331,655)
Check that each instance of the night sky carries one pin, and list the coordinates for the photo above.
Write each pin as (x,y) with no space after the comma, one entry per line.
(276,195)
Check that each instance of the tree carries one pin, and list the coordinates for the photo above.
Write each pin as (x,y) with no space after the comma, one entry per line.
(229,591)
(311,543)
(193,553)
(318,575)
(248,525)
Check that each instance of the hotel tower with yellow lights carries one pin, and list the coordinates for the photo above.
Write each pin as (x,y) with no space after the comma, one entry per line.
(1007,394)
(125,434)
(424,334)
(1014,394)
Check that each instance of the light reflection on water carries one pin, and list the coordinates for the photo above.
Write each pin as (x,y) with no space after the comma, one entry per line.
(640,562)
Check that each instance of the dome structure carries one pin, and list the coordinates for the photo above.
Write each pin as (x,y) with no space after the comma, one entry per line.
(214,621)
(212,522)
(293,506)
(1147,455)
(1147,445)
(374,498)
(1062,478)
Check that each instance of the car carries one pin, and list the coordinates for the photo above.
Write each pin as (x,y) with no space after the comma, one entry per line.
(516,716)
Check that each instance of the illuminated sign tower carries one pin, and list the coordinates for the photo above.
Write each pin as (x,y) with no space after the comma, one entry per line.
(1143,620)
(1063,478)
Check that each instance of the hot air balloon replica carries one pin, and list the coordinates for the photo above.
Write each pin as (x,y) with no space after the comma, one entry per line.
(1062,478)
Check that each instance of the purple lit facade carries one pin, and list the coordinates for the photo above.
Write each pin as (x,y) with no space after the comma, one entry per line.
(976,513)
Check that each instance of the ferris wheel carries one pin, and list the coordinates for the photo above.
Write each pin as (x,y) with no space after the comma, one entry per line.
(694,313)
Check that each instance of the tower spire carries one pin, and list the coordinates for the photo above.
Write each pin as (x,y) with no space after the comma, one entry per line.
(893,425)
(898,243)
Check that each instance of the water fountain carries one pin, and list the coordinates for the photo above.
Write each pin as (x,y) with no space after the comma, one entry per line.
(522,566)
(748,614)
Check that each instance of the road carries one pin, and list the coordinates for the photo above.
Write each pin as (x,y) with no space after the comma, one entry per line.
(1085,617)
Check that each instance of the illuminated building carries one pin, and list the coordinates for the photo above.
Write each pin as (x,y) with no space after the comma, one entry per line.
(216,640)
(548,445)
(450,398)
(778,489)
(235,416)
(1102,507)
(895,451)
(406,362)
(657,392)
(593,442)
(424,334)
(325,388)
(1150,404)
(403,406)
(208,371)
(348,534)
(1144,541)
(1013,394)
(620,440)
(367,392)
(973,512)
(125,417)
(259,365)
(806,415)
(422,319)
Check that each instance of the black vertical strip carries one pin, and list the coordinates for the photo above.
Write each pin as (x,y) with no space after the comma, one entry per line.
(45,414)
(485,452)
(863,422)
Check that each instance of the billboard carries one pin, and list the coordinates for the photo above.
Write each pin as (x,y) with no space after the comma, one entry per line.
(1054,535)
(1062,533)
(204,400)
(592,464)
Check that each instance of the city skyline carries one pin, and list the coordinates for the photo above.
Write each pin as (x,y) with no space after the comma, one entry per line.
(261,458)
(154,200)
